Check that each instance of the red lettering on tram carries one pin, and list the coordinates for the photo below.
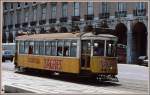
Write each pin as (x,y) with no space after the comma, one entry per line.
(53,64)
(106,63)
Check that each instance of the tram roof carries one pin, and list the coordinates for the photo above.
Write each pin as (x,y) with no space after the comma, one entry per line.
(54,36)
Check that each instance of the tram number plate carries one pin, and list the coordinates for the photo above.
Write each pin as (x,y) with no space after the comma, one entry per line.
(53,64)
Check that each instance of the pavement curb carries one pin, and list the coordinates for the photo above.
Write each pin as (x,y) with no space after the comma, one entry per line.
(13,89)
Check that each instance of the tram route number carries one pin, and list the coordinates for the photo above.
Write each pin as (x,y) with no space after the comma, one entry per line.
(53,64)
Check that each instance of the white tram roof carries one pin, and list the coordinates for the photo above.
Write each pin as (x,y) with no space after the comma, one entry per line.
(54,36)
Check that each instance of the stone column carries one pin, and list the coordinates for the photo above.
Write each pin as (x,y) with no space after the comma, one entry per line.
(129,42)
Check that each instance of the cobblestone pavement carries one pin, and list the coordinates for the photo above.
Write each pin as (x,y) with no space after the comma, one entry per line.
(65,85)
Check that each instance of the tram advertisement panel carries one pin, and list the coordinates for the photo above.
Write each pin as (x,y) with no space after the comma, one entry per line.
(53,64)
(107,63)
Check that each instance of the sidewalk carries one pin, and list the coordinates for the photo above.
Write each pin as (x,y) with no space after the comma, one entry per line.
(132,71)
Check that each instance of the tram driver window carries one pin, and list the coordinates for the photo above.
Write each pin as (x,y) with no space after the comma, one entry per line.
(98,49)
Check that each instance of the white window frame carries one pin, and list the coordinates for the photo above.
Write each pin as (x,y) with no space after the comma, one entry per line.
(53,10)
(44,12)
(105,7)
(90,9)
(76,9)
(11,5)
(26,18)
(140,5)
(11,18)
(121,6)
(18,16)
(64,9)
(34,14)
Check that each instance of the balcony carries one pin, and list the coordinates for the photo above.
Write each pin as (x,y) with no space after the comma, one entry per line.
(104,15)
(17,25)
(89,17)
(25,24)
(75,18)
(10,26)
(120,14)
(139,12)
(33,23)
(41,22)
(63,19)
(53,20)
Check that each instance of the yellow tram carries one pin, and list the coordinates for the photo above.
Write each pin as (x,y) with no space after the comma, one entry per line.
(77,53)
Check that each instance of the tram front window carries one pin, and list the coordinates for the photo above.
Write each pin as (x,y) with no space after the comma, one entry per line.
(98,48)
(110,48)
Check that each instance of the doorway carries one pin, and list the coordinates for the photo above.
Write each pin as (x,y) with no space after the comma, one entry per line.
(139,40)
(121,33)
(85,54)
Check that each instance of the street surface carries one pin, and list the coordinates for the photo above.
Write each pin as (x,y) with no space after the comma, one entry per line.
(133,79)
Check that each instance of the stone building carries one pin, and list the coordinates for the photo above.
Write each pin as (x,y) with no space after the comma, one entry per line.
(128,19)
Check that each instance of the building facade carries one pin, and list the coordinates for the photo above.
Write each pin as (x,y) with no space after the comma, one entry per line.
(128,19)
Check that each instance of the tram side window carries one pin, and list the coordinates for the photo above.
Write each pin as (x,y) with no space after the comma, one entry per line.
(21,47)
(53,48)
(73,48)
(30,50)
(110,49)
(36,47)
(26,46)
(66,51)
(41,47)
(59,48)
(48,48)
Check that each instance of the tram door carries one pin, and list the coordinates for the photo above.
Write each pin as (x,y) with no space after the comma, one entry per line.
(85,54)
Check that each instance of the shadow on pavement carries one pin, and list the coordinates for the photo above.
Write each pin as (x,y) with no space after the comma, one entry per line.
(71,78)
